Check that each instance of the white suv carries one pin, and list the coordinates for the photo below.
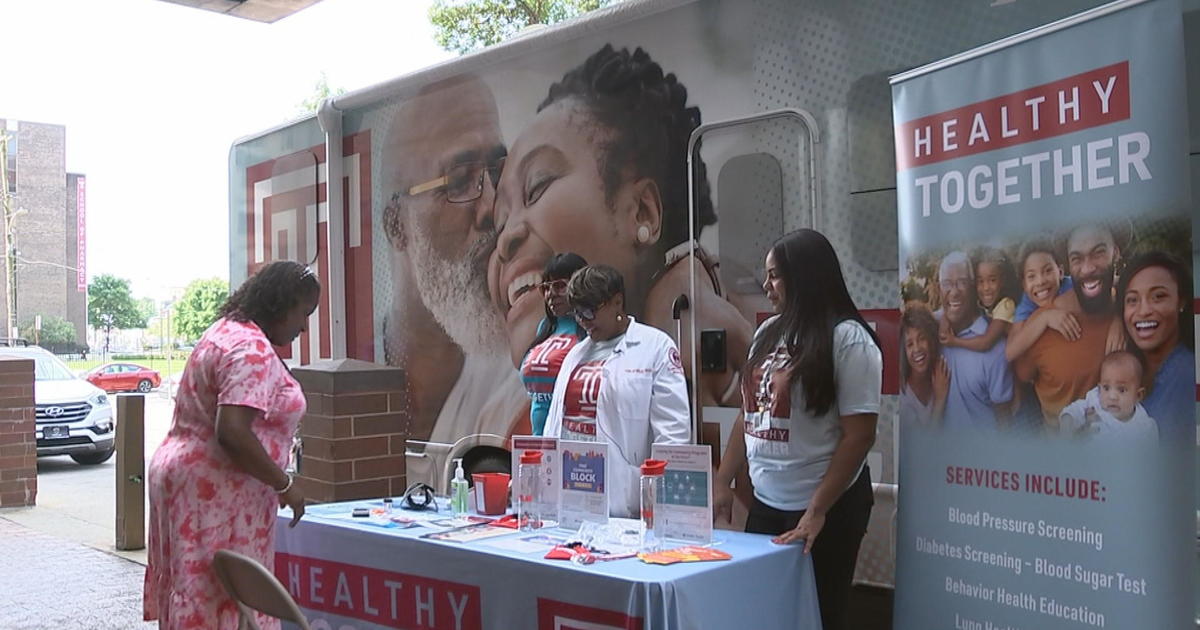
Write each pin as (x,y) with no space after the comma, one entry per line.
(74,417)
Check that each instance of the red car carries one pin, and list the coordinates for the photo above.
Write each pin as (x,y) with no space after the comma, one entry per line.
(124,377)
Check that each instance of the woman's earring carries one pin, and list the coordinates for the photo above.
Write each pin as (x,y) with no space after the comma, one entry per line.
(643,234)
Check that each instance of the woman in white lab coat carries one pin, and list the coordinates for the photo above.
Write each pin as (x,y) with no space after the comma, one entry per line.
(623,385)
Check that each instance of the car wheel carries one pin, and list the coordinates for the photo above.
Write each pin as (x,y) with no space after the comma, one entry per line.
(144,386)
(92,459)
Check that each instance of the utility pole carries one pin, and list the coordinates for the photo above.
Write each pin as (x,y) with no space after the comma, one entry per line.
(9,215)
(6,200)
(170,352)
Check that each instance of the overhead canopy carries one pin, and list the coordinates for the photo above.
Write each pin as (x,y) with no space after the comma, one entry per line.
(258,10)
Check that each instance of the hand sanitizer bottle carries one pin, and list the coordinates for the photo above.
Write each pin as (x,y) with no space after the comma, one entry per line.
(458,490)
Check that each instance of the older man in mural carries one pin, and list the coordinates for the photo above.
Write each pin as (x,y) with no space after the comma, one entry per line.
(1062,370)
(441,160)
(980,382)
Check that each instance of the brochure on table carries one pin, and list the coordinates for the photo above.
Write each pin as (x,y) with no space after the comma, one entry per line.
(583,490)
(686,504)
(551,470)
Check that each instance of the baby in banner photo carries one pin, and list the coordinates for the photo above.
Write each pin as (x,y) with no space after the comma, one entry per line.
(1112,410)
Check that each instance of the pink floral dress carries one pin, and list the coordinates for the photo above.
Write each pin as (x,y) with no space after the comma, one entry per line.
(200,501)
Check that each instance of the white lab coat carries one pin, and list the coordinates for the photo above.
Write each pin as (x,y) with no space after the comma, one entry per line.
(643,400)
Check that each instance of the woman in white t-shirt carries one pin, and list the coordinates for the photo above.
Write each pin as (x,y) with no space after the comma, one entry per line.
(811,393)
(623,384)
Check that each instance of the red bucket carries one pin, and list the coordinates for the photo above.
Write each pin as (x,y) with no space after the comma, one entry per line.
(491,492)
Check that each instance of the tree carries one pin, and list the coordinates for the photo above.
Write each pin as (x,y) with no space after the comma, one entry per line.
(55,331)
(111,305)
(147,308)
(199,307)
(321,91)
(465,25)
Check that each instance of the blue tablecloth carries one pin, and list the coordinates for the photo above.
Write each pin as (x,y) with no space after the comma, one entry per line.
(355,576)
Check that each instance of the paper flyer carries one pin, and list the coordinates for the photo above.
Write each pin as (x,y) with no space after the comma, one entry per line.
(468,533)
(686,504)
(528,544)
(684,554)
(551,467)
(584,494)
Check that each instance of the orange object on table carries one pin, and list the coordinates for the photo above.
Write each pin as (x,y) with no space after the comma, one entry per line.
(491,492)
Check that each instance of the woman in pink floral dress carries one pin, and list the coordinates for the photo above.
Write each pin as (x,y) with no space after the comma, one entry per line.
(217,478)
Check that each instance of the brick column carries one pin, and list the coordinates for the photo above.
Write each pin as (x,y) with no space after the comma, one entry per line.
(18,437)
(354,431)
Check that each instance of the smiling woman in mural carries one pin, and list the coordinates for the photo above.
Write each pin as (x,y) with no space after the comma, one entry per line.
(926,377)
(602,171)
(1155,292)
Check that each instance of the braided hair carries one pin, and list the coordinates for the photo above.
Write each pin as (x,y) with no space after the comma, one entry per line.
(268,295)
(649,122)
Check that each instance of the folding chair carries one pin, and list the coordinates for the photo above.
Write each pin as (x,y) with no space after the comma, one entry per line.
(254,588)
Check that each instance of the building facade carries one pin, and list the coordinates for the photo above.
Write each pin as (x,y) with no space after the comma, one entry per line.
(45,243)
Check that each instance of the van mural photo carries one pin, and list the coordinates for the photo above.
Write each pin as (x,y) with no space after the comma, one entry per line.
(598,168)
(1084,334)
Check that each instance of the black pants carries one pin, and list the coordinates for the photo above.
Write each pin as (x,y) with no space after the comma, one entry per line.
(836,550)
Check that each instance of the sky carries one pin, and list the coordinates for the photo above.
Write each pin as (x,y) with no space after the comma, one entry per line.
(153,95)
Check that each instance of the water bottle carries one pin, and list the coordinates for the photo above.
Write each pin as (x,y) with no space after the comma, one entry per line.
(529,473)
(652,492)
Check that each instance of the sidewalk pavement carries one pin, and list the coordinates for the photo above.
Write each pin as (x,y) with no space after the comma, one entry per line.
(58,566)
(49,582)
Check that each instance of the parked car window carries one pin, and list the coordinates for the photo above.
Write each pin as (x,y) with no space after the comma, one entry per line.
(47,368)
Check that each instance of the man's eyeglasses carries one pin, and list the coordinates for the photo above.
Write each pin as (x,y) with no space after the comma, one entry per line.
(962,284)
(553,286)
(463,182)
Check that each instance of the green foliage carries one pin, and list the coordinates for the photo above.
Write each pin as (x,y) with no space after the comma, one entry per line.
(55,331)
(147,308)
(111,305)
(321,91)
(199,307)
(465,25)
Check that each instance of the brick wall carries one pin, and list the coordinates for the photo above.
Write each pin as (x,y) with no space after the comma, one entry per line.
(354,431)
(18,442)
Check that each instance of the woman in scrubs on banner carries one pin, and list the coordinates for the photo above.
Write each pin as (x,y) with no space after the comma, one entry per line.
(810,405)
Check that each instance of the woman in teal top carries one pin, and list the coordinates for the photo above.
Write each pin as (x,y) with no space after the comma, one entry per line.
(558,332)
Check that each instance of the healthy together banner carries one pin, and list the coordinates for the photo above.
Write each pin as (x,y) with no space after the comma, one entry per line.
(1048,418)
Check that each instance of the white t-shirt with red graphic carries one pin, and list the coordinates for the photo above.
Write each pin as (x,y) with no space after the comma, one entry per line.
(583,392)
(787,448)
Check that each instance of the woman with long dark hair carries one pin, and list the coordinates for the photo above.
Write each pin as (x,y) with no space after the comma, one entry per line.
(220,475)
(1155,292)
(810,403)
(558,332)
